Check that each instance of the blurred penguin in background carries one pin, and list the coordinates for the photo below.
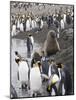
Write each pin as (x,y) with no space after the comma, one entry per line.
(33,23)
(32,41)
(13,32)
(45,65)
(28,46)
(21,27)
(41,26)
(62,23)
(28,24)
(68,17)
(18,24)
(64,18)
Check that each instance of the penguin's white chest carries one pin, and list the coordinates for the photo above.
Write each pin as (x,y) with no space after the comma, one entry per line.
(13,30)
(23,71)
(21,27)
(35,79)
(62,24)
(28,24)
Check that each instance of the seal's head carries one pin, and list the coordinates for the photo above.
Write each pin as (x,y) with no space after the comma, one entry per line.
(52,33)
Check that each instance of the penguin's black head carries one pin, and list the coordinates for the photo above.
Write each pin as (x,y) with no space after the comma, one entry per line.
(17,60)
(16,53)
(52,33)
(59,65)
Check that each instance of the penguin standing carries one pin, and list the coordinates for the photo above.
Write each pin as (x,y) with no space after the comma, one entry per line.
(32,41)
(13,29)
(33,24)
(64,18)
(61,77)
(28,24)
(62,24)
(22,73)
(41,26)
(68,19)
(21,27)
(35,79)
(18,24)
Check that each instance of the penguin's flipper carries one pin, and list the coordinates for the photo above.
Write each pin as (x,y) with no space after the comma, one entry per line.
(18,75)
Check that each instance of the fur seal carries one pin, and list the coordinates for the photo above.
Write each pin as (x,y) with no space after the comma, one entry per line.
(51,45)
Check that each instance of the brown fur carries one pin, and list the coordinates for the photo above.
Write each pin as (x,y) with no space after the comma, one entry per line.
(51,45)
